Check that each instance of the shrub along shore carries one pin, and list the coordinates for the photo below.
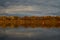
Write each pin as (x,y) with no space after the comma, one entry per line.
(32,21)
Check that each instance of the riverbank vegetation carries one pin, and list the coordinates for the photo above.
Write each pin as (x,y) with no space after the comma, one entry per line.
(32,21)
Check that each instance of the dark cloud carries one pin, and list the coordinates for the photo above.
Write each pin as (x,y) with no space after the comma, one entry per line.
(5,3)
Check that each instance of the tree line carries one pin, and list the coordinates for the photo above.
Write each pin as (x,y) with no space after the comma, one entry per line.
(32,21)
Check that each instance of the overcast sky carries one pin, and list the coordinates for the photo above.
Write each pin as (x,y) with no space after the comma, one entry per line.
(30,7)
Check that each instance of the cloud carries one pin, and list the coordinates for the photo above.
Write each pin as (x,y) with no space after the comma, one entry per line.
(42,9)
(6,3)
(19,8)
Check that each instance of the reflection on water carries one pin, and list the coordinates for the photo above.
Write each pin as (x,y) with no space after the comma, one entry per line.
(30,34)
